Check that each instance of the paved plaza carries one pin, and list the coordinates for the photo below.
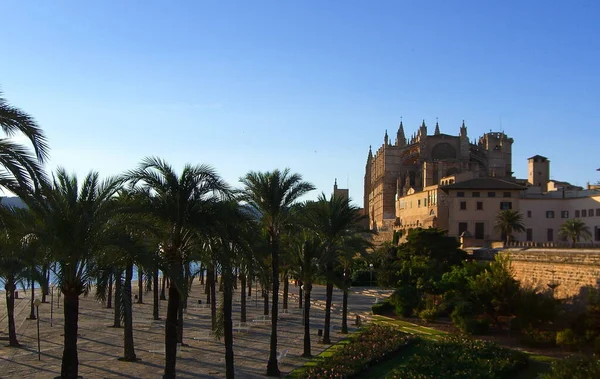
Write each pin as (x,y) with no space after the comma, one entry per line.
(100,345)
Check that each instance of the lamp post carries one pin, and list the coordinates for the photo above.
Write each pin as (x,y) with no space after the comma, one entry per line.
(51,303)
(37,303)
(371,276)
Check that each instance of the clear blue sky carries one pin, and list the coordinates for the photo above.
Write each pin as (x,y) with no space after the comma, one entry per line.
(258,85)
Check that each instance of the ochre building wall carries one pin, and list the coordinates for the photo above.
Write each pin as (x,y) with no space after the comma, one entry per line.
(571,269)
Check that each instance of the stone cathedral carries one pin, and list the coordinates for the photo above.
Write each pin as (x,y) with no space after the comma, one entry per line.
(412,163)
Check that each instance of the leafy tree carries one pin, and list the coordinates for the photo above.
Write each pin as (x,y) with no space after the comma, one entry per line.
(509,221)
(385,259)
(184,205)
(495,290)
(272,195)
(574,230)
(420,263)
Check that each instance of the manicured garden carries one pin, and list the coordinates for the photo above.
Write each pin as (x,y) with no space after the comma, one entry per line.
(385,351)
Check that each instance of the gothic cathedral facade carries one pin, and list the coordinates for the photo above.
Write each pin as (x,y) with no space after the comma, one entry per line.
(409,165)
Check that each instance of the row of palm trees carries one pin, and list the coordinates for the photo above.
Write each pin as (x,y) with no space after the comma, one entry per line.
(92,233)
(511,221)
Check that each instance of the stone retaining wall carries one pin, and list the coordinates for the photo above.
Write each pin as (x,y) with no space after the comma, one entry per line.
(567,269)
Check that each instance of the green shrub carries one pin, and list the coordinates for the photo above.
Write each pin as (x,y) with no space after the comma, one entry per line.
(597,346)
(428,314)
(465,319)
(405,300)
(371,345)
(534,308)
(533,337)
(362,278)
(478,326)
(567,339)
(456,357)
(383,308)
(574,367)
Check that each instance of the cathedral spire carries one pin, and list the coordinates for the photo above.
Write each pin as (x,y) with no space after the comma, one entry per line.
(437,128)
(385,138)
(463,130)
(370,153)
(422,134)
(400,137)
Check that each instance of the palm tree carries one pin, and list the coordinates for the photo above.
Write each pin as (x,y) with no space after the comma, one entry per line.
(306,253)
(352,246)
(182,204)
(74,221)
(334,220)
(575,229)
(21,167)
(509,221)
(130,248)
(19,248)
(272,194)
(232,241)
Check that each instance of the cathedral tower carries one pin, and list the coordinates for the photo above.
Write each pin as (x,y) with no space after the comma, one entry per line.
(538,169)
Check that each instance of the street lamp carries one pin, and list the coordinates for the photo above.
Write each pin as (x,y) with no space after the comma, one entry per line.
(371,276)
(37,303)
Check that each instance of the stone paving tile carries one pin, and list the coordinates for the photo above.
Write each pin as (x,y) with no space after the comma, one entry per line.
(100,345)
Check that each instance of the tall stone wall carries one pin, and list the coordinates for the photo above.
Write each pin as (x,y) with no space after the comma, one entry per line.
(567,269)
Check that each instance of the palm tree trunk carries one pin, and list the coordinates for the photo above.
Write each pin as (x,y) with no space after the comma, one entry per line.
(265,295)
(213,293)
(188,280)
(208,286)
(272,365)
(235,279)
(140,285)
(171,333)
(128,347)
(46,273)
(243,297)
(118,300)
(180,322)
(201,274)
(70,360)
(228,324)
(162,290)
(249,284)
(345,310)
(300,294)
(328,300)
(155,309)
(307,290)
(32,310)
(286,288)
(9,288)
(110,289)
